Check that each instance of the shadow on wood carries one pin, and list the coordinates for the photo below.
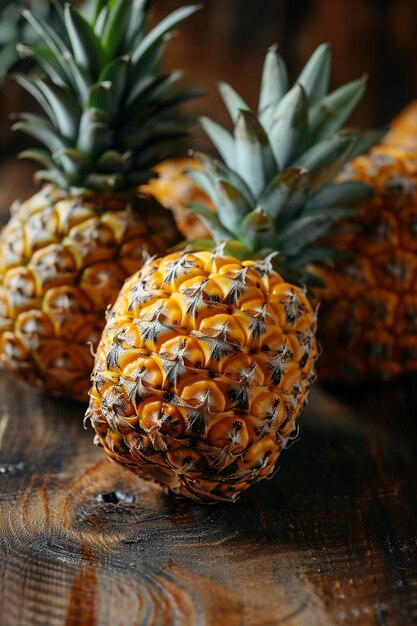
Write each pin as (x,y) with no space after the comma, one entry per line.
(330,540)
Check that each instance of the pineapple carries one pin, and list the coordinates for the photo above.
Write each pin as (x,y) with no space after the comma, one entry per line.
(368,317)
(173,189)
(403,129)
(110,116)
(208,355)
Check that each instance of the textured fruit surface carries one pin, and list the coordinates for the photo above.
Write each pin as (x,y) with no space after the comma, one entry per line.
(368,319)
(202,371)
(175,191)
(63,260)
(403,133)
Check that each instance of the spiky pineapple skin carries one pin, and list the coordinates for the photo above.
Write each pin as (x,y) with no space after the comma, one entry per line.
(368,317)
(63,260)
(174,190)
(201,373)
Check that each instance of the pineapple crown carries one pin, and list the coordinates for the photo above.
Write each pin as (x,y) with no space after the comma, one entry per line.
(13,28)
(272,188)
(110,113)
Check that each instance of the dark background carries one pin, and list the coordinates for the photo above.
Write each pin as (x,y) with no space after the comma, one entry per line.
(228,39)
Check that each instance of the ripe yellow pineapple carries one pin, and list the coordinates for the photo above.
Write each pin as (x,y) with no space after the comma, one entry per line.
(208,355)
(403,129)
(174,190)
(368,317)
(110,116)
(203,368)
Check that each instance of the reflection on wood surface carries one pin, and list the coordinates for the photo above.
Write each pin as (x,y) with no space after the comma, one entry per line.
(330,540)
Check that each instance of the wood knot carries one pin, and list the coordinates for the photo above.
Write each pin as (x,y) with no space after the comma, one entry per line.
(115,497)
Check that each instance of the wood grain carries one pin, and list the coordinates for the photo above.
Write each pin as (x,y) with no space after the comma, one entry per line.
(331,540)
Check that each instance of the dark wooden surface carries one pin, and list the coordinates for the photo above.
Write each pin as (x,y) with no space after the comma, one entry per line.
(333,538)
(330,540)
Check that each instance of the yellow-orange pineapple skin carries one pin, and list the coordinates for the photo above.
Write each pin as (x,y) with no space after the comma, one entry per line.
(403,129)
(174,190)
(63,261)
(201,373)
(368,317)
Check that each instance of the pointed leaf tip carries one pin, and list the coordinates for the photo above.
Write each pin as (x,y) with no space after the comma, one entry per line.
(233,101)
(315,75)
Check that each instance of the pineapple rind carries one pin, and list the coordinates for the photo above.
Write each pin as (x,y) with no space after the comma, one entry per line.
(63,261)
(368,315)
(202,371)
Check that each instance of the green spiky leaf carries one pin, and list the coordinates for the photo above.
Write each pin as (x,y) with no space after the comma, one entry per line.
(334,195)
(283,187)
(162,29)
(217,171)
(289,134)
(315,75)
(219,232)
(111,115)
(274,85)
(234,103)
(257,229)
(328,115)
(221,139)
(255,162)
(85,44)
(275,190)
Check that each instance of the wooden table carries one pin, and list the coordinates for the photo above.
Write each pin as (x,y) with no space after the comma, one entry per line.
(331,540)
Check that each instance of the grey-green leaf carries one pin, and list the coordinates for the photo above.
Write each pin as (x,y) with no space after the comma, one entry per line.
(274,85)
(289,134)
(113,161)
(84,42)
(305,230)
(315,75)
(219,232)
(116,73)
(64,105)
(232,206)
(234,103)
(332,111)
(254,159)
(116,26)
(45,133)
(285,186)
(71,161)
(217,171)
(364,139)
(46,60)
(92,138)
(221,139)
(257,229)
(205,183)
(344,193)
(162,29)
(41,156)
(325,159)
